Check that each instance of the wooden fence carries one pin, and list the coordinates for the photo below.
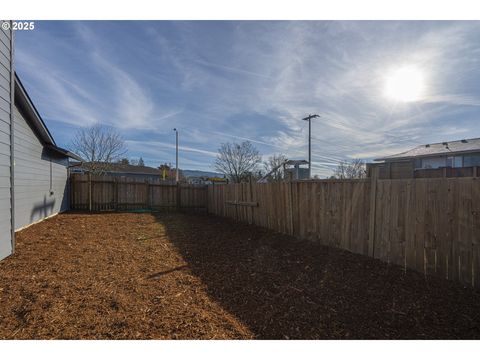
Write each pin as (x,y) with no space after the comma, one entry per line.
(430,225)
(109,193)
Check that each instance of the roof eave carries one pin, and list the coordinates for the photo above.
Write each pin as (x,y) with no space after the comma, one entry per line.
(396,158)
(451,153)
(64,152)
(21,96)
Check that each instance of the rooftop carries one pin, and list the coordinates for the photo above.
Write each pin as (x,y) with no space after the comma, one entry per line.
(441,148)
(128,169)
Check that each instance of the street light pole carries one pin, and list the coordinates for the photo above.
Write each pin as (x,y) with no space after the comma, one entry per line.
(176,154)
(309,119)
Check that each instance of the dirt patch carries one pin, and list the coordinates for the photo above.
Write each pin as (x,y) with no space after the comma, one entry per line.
(169,276)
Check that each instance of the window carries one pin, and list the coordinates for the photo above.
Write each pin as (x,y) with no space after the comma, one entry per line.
(458,162)
(471,160)
(433,162)
(454,161)
(449,161)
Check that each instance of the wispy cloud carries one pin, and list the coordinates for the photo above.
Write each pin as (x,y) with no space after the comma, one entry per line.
(59,100)
(131,106)
(229,68)
(153,146)
(236,81)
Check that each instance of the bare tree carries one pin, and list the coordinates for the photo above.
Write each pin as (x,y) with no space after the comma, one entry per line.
(237,161)
(353,169)
(99,147)
(274,165)
(141,162)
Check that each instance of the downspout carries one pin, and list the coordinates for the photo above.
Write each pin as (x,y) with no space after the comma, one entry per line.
(51,175)
(12,139)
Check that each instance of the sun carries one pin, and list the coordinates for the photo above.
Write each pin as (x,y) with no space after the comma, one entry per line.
(405,84)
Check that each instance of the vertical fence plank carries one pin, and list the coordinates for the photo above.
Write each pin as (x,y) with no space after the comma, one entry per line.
(373,206)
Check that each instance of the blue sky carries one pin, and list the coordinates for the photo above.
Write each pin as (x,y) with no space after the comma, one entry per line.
(223,81)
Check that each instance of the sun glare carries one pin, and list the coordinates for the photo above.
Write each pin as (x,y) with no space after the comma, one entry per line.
(405,84)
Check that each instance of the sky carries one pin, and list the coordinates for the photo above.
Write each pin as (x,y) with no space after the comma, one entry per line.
(226,81)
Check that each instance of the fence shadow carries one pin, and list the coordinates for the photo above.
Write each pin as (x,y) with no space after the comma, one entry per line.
(285,288)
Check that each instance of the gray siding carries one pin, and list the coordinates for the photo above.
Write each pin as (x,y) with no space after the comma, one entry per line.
(6,90)
(40,177)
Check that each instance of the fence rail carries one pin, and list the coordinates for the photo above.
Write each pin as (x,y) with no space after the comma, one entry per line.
(430,225)
(109,193)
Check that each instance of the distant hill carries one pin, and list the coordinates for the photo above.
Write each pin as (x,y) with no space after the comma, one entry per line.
(199,173)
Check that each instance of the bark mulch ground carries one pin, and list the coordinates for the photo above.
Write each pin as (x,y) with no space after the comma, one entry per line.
(169,276)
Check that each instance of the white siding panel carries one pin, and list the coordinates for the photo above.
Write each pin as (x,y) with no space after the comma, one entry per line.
(4,80)
(4,104)
(4,49)
(4,94)
(5,39)
(4,138)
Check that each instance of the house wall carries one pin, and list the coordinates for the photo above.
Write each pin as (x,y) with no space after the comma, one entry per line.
(430,167)
(393,170)
(6,97)
(434,162)
(40,177)
(471,160)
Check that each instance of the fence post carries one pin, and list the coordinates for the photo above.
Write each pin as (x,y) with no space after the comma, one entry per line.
(214,202)
(236,200)
(207,199)
(147,194)
(373,206)
(179,200)
(290,186)
(72,201)
(89,192)
(115,194)
(250,190)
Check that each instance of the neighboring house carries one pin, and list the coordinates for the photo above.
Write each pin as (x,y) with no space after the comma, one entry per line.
(34,170)
(291,169)
(205,180)
(200,177)
(198,180)
(294,171)
(452,159)
(126,170)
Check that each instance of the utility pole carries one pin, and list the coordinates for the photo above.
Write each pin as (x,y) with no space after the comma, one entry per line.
(176,154)
(309,119)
